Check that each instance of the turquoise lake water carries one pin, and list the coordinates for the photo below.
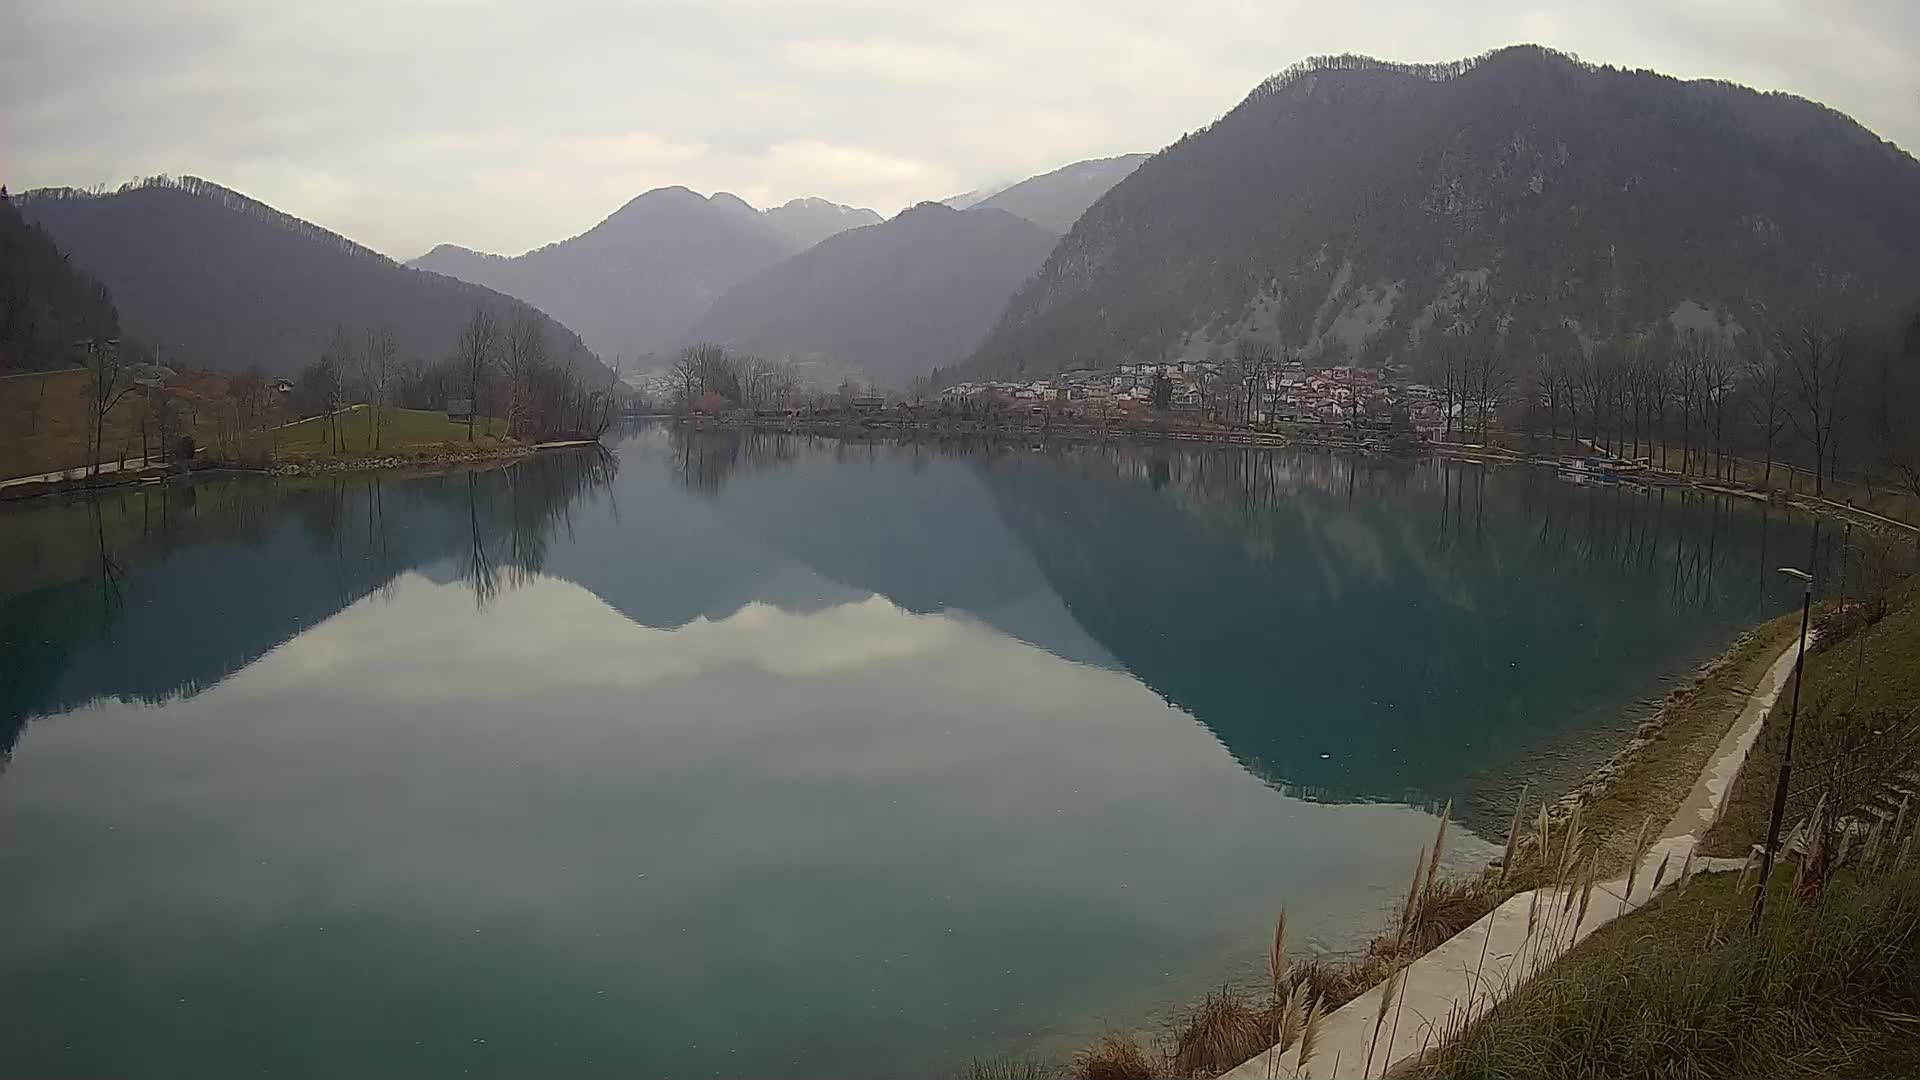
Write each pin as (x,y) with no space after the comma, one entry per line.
(746,756)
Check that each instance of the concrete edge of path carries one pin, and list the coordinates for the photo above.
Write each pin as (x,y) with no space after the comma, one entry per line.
(1477,968)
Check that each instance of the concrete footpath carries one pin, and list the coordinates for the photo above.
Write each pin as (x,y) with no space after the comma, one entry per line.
(1472,971)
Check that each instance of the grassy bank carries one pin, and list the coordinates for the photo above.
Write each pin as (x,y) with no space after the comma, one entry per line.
(1864,682)
(1641,788)
(1830,984)
(1828,987)
(45,425)
(350,434)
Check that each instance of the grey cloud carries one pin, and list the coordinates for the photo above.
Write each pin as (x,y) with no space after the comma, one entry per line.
(503,126)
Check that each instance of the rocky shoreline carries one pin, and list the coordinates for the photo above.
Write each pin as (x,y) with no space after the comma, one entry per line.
(433,458)
(418,458)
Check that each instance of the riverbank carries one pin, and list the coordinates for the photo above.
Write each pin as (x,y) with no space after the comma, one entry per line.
(1569,894)
(416,457)
(1307,436)
(1828,984)
(1660,774)
(413,440)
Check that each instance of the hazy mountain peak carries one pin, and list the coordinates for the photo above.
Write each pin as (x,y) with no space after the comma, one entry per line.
(634,282)
(887,300)
(727,200)
(807,221)
(1057,199)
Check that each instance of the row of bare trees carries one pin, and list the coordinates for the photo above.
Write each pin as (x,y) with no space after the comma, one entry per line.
(509,366)
(1700,403)
(496,368)
(709,378)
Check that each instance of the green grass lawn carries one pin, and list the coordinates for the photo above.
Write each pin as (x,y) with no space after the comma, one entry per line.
(1830,986)
(1846,686)
(400,429)
(1681,989)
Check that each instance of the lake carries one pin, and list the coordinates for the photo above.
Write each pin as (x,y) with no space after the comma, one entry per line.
(750,755)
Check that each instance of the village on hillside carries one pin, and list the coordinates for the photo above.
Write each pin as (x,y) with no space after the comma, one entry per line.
(1286,393)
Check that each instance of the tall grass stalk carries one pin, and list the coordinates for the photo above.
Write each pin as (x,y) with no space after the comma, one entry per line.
(1659,874)
(1309,1038)
(1277,954)
(1380,1016)
(1513,835)
(1815,992)
(1439,844)
(1641,843)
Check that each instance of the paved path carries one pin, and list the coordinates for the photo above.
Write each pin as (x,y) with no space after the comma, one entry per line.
(1453,984)
(80,472)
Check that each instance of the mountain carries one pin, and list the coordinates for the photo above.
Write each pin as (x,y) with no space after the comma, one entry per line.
(215,279)
(1347,205)
(1056,200)
(637,280)
(46,304)
(969,200)
(891,300)
(806,222)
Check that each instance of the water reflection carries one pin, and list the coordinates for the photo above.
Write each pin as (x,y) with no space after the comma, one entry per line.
(964,747)
(150,593)
(1349,627)
(1356,627)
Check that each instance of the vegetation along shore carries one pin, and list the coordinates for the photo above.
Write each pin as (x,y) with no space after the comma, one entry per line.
(1846,904)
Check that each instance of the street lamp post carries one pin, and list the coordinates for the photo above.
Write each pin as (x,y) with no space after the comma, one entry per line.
(1786,756)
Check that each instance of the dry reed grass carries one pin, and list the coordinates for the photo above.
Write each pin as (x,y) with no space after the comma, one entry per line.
(1114,1057)
(1829,986)
(1218,1034)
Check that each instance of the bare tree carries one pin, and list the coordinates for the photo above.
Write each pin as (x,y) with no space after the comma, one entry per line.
(1717,372)
(1490,379)
(1656,382)
(336,367)
(1767,404)
(248,389)
(525,354)
(1550,386)
(377,361)
(1253,361)
(109,379)
(478,347)
(1816,364)
(686,371)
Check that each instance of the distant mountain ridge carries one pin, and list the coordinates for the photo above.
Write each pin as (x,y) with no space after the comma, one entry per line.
(1347,205)
(1055,200)
(806,222)
(889,300)
(637,280)
(217,279)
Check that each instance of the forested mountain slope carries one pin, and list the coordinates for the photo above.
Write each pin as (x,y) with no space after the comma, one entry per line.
(46,304)
(1347,206)
(213,279)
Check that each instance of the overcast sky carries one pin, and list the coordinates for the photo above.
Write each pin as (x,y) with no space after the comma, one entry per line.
(502,126)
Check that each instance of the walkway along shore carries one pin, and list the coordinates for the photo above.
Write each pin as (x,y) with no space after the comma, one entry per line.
(1457,982)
